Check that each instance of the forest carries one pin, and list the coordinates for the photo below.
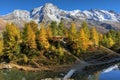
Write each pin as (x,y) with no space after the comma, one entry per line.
(51,44)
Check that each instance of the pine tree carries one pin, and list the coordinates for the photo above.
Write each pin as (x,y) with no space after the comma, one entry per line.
(62,29)
(66,33)
(11,38)
(34,26)
(29,37)
(104,41)
(42,38)
(54,28)
(94,36)
(113,35)
(1,46)
(61,52)
(72,32)
(100,38)
(118,36)
(111,42)
(83,40)
(49,32)
(107,41)
(86,29)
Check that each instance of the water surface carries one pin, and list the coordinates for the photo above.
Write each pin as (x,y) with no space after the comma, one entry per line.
(107,72)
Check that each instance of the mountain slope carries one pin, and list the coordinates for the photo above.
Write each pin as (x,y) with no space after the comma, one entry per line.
(19,17)
(2,24)
(50,12)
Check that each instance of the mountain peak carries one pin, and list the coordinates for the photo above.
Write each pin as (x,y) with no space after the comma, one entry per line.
(19,12)
(49,4)
(49,12)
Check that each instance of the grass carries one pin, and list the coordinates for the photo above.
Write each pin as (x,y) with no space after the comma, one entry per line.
(15,74)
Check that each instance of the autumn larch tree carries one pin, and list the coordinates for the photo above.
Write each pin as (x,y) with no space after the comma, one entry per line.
(94,36)
(42,38)
(83,40)
(34,27)
(49,32)
(28,39)
(72,32)
(62,29)
(11,38)
(54,28)
(86,29)
(118,40)
(1,45)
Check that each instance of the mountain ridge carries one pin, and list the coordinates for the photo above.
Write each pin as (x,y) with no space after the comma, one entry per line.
(50,12)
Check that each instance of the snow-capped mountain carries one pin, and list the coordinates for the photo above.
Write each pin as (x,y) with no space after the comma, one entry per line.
(46,13)
(102,15)
(17,15)
(50,12)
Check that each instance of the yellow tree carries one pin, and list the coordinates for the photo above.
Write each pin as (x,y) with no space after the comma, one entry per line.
(11,38)
(111,42)
(83,40)
(34,26)
(86,29)
(94,36)
(1,46)
(66,32)
(42,38)
(29,37)
(100,38)
(49,32)
(72,31)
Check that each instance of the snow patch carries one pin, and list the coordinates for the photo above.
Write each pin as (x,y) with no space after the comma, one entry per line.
(115,67)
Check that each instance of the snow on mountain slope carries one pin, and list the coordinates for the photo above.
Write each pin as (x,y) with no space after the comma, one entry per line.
(77,14)
(47,12)
(102,15)
(17,15)
(50,12)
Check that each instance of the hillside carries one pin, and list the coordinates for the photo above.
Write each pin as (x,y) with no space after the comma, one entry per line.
(2,24)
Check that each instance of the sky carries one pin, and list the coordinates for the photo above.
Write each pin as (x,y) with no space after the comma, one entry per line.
(7,6)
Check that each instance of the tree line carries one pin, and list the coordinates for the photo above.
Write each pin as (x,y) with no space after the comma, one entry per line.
(31,41)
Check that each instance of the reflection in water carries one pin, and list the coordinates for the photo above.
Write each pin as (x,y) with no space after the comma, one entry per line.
(112,73)
(99,73)
(95,73)
(95,76)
